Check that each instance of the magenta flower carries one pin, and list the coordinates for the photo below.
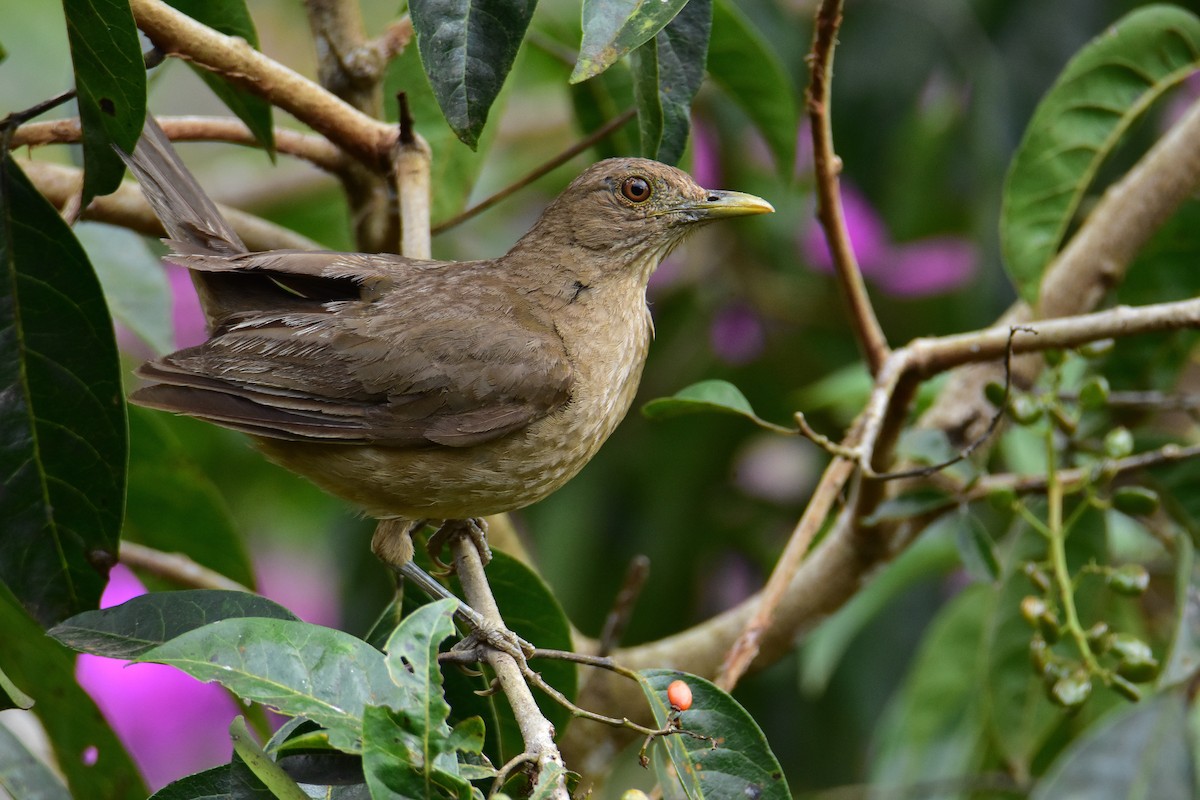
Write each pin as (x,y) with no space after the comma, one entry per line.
(186,313)
(171,724)
(934,265)
(736,335)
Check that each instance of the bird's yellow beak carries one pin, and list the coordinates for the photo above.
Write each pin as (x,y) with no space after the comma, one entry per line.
(718,204)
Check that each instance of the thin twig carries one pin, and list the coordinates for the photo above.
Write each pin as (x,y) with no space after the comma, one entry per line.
(176,568)
(827,166)
(636,575)
(592,138)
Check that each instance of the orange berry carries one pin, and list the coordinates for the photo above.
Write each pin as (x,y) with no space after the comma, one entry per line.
(679,694)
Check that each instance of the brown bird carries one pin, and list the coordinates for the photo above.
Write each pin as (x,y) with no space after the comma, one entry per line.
(427,390)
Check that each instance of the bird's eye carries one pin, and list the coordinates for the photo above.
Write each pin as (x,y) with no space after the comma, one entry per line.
(636,190)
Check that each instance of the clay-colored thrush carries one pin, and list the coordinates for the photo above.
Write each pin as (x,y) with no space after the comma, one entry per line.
(427,390)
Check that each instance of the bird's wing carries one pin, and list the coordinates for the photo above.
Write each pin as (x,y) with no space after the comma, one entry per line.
(427,354)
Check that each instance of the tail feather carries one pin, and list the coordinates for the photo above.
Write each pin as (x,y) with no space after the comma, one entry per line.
(193,223)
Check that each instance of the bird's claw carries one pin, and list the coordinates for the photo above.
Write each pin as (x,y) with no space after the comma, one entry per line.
(499,639)
(474,529)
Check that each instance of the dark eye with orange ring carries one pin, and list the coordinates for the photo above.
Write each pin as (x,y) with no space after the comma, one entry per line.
(636,190)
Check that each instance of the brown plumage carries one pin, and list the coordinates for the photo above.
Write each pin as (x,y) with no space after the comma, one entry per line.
(427,389)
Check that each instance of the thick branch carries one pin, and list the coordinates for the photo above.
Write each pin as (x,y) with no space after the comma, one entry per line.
(365,138)
(126,207)
(314,149)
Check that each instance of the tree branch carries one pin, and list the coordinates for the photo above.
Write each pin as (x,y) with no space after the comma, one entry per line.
(827,166)
(311,148)
(126,207)
(363,137)
(176,568)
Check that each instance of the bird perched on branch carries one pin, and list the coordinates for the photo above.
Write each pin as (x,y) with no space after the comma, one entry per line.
(427,390)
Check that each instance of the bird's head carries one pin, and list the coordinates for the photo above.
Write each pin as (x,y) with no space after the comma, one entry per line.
(634,211)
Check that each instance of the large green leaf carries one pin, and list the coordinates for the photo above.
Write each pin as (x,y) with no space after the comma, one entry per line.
(133,280)
(1078,124)
(173,504)
(62,451)
(211,784)
(743,64)
(23,775)
(95,764)
(612,28)
(933,727)
(297,668)
(708,396)
(649,104)
(468,48)
(148,620)
(232,18)
(682,52)
(409,749)
(110,78)
(1140,751)
(727,756)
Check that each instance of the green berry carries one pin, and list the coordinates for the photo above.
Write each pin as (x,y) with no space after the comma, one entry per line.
(1136,501)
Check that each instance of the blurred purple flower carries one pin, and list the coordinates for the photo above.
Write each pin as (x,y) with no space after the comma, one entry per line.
(171,724)
(706,160)
(300,582)
(186,313)
(868,235)
(924,267)
(736,334)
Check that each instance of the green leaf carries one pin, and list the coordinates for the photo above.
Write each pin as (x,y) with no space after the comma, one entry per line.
(174,506)
(612,28)
(1184,660)
(732,760)
(134,282)
(916,503)
(645,94)
(467,48)
(62,455)
(76,729)
(454,170)
(296,668)
(599,100)
(265,770)
(682,50)
(932,728)
(743,64)
(1139,751)
(232,18)
(211,784)
(1079,122)
(23,775)
(146,621)
(110,78)
(707,396)
(975,545)
(530,610)
(932,554)
(408,749)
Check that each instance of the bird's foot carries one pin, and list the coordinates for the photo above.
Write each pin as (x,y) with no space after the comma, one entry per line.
(474,529)
(499,639)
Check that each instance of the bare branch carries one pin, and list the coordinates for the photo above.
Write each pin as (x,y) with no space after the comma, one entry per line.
(827,166)
(363,137)
(126,207)
(176,568)
(314,149)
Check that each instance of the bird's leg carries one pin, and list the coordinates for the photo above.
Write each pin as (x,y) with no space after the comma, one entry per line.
(474,529)
(392,543)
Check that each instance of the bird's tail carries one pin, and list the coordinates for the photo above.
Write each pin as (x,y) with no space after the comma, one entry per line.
(194,225)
